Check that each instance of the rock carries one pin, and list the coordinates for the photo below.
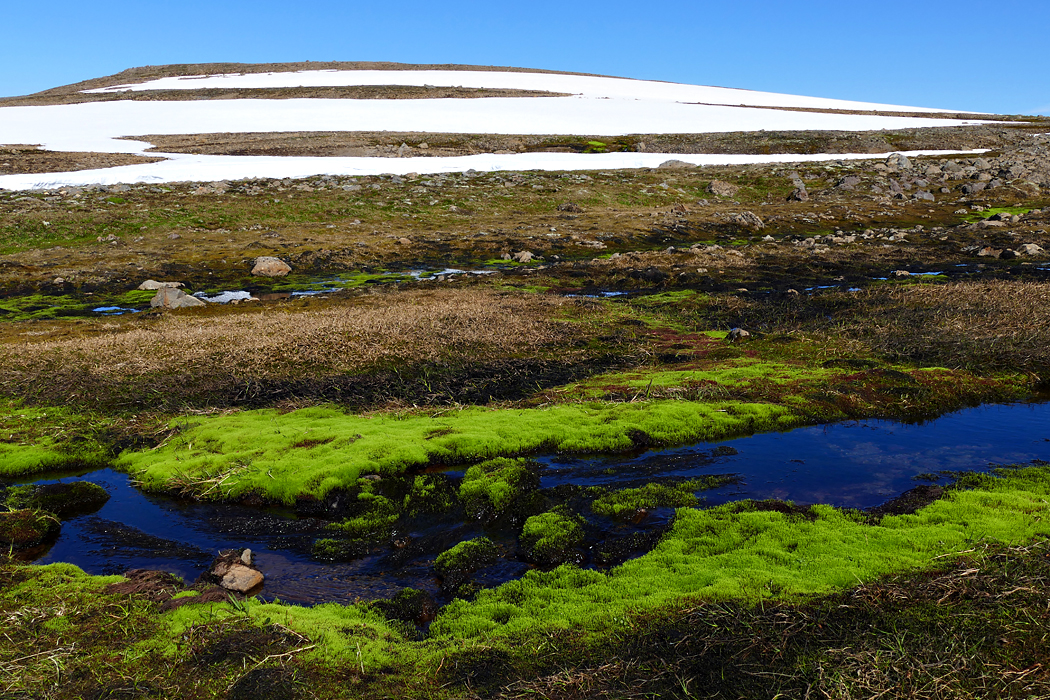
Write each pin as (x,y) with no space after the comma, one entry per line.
(58,280)
(982,164)
(898,161)
(799,194)
(675,165)
(974,187)
(523,256)
(737,334)
(267,266)
(1007,254)
(570,207)
(1030,249)
(988,252)
(923,195)
(720,188)
(174,236)
(241,579)
(404,241)
(748,220)
(233,570)
(151,285)
(848,182)
(171,298)
(768,239)
(900,273)
(991,223)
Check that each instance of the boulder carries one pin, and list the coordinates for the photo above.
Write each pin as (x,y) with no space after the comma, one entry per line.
(799,194)
(153,285)
(722,189)
(267,266)
(898,161)
(748,220)
(522,256)
(1030,249)
(171,298)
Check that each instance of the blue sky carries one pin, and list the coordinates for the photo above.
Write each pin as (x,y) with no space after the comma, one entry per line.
(959,54)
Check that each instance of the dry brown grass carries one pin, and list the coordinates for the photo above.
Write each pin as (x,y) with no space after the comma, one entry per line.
(989,325)
(382,332)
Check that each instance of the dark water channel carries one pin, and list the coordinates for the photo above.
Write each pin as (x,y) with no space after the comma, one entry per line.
(853,464)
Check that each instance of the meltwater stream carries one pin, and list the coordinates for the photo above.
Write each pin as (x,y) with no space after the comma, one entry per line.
(852,464)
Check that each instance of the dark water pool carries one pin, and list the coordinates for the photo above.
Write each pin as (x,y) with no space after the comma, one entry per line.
(855,464)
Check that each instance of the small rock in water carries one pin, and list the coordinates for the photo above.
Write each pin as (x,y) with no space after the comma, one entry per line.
(268,266)
(233,570)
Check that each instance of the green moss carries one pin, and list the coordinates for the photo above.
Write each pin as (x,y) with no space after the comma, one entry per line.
(20,529)
(63,500)
(466,557)
(627,502)
(489,488)
(735,553)
(553,537)
(256,450)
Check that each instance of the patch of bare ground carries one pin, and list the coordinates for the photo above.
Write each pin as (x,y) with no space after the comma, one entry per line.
(66,93)
(22,159)
(448,344)
(974,629)
(388,144)
(353,92)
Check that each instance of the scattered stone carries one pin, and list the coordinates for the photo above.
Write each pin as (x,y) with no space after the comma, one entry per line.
(720,188)
(267,266)
(171,298)
(736,334)
(152,285)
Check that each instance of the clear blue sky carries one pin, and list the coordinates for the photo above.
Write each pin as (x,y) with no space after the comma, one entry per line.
(959,54)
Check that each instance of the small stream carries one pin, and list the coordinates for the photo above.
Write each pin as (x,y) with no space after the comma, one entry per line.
(857,464)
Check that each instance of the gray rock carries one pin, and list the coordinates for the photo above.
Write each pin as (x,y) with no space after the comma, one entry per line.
(171,298)
(737,334)
(848,182)
(898,161)
(675,165)
(923,195)
(1030,249)
(748,220)
(720,188)
(268,266)
(973,187)
(523,256)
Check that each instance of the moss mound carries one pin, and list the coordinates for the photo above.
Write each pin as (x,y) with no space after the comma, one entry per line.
(455,565)
(492,489)
(64,500)
(27,528)
(552,538)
